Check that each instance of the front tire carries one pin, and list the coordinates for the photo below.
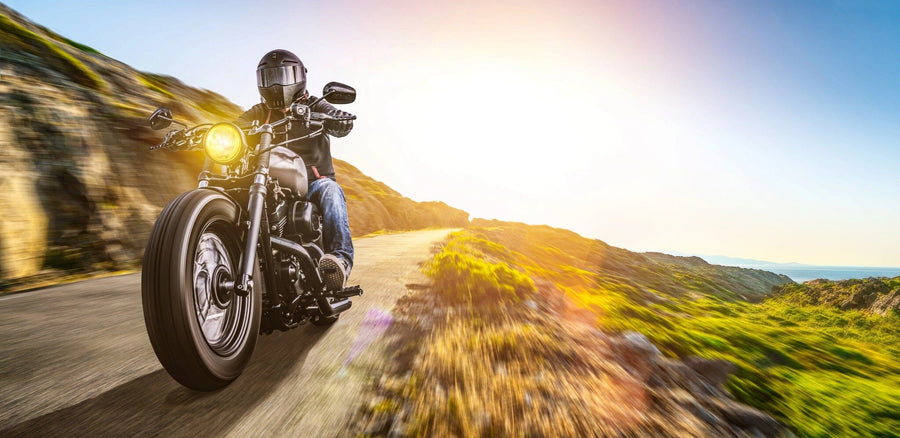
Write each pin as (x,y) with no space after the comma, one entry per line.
(202,333)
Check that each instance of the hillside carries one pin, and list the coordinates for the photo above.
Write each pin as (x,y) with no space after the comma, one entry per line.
(374,206)
(651,276)
(80,191)
(536,331)
(880,296)
(516,344)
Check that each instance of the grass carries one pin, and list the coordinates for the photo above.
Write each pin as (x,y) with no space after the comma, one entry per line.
(153,84)
(811,366)
(509,377)
(821,370)
(16,35)
(464,270)
(84,48)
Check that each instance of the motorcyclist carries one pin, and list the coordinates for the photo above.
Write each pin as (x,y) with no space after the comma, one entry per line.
(281,80)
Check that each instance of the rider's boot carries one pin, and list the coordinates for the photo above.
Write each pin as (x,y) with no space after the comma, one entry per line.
(333,270)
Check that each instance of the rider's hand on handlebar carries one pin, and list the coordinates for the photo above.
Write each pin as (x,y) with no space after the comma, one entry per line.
(339,123)
(338,116)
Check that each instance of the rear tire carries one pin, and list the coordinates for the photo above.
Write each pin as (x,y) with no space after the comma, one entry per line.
(202,334)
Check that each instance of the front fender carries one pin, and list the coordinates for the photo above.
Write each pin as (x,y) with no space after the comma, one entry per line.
(241,211)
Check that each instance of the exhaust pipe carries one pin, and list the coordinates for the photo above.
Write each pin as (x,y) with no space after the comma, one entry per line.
(341,306)
(302,254)
(331,309)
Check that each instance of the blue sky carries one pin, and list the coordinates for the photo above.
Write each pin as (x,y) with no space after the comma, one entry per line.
(763,129)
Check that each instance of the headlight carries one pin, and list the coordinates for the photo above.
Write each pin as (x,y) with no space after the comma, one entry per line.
(224,143)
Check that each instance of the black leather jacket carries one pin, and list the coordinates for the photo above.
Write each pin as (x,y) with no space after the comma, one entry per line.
(316,151)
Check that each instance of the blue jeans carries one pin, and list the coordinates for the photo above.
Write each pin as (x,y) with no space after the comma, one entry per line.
(328,195)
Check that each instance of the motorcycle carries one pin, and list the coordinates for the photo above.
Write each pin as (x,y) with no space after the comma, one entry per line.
(237,256)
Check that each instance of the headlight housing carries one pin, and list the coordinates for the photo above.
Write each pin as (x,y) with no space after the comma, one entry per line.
(224,143)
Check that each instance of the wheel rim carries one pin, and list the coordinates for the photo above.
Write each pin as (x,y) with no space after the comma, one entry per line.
(221,315)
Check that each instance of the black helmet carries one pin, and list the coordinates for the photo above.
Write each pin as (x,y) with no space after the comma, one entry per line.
(280,77)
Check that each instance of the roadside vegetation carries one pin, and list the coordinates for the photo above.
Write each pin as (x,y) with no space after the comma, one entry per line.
(518,348)
(822,370)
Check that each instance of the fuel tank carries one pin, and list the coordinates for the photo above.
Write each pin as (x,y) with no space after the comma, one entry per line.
(290,170)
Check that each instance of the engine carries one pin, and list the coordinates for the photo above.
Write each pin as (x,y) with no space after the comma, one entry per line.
(295,219)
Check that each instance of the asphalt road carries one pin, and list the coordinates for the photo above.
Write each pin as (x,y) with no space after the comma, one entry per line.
(75,360)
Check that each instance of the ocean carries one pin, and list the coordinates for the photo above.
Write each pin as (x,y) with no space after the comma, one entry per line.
(806,273)
(800,272)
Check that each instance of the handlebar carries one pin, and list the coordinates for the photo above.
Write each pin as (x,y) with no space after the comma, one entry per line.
(326,117)
(182,139)
(188,138)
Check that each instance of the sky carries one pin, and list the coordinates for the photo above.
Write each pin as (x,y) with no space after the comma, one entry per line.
(756,129)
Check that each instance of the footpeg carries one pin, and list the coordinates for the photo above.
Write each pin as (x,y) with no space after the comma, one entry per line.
(347,292)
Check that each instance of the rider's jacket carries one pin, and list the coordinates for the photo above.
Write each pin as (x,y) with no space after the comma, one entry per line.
(316,151)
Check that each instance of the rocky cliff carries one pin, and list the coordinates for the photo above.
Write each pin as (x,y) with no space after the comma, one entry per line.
(874,295)
(79,189)
(730,281)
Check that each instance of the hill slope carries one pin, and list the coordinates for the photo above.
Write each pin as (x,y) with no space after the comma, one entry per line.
(512,347)
(516,306)
(374,206)
(80,190)
(875,295)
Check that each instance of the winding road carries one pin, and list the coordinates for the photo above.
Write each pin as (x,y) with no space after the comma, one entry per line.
(75,360)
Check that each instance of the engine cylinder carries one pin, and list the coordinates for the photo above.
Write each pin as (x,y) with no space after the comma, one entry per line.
(305,220)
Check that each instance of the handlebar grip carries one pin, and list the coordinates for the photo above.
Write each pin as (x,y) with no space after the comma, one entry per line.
(327,117)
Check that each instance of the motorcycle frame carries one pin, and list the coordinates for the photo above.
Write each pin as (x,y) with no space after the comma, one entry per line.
(257,240)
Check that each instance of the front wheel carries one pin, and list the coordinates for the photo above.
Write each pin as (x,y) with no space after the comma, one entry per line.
(202,333)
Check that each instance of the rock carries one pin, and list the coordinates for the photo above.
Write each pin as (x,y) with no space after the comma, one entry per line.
(635,353)
(79,188)
(888,302)
(748,418)
(23,226)
(641,343)
(690,403)
(715,371)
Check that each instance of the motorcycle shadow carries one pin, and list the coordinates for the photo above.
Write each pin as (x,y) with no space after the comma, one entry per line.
(156,405)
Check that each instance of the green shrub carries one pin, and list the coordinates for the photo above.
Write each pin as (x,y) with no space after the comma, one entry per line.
(466,277)
(822,370)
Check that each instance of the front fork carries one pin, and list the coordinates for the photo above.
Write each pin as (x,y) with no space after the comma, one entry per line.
(255,208)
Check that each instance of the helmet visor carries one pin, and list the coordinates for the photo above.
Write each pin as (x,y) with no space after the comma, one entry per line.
(286,75)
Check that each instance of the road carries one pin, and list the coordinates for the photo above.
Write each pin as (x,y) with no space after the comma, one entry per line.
(75,360)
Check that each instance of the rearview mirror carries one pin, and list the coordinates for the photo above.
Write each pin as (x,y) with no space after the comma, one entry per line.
(161,118)
(338,93)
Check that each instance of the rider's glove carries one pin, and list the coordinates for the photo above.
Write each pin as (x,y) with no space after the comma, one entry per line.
(338,128)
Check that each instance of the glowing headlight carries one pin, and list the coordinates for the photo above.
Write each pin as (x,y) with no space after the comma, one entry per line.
(224,143)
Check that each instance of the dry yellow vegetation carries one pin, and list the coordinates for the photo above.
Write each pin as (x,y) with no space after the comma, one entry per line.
(535,331)
(503,345)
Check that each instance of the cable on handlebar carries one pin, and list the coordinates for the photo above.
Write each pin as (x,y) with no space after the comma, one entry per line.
(312,134)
